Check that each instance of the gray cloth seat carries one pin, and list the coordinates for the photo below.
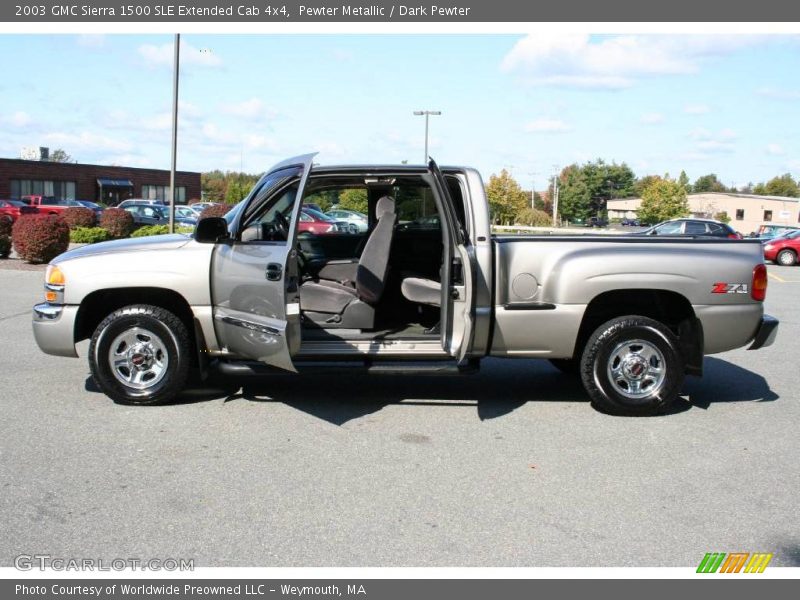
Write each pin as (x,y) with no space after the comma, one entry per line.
(332,297)
(422,291)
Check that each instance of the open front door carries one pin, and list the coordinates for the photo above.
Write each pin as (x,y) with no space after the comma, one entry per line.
(254,275)
(458,277)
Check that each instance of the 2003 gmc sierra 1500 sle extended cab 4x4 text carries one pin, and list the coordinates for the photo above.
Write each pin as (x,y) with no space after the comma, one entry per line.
(426,289)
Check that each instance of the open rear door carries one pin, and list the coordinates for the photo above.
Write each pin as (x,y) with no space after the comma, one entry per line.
(458,277)
(254,276)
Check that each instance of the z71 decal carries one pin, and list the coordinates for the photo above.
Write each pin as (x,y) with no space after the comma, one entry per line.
(729,288)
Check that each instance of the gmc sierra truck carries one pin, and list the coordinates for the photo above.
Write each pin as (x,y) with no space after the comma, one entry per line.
(425,289)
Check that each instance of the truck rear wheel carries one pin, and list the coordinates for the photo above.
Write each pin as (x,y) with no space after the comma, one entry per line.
(140,354)
(632,365)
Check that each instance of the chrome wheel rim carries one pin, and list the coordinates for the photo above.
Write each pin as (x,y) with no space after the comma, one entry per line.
(786,258)
(138,358)
(636,369)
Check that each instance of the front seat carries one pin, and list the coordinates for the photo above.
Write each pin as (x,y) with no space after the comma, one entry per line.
(422,291)
(350,304)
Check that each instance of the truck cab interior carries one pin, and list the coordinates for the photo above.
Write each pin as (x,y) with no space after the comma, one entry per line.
(384,282)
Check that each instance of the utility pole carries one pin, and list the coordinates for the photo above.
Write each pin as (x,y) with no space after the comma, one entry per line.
(532,175)
(427,114)
(175,69)
(555,196)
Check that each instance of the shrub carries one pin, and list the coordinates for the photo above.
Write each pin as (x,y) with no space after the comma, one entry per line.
(151,230)
(215,210)
(79,216)
(5,246)
(534,217)
(118,222)
(88,235)
(40,238)
(5,226)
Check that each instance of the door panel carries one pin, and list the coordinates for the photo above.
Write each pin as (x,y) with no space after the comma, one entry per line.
(458,279)
(254,281)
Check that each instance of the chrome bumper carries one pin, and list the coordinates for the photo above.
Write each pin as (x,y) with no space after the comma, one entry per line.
(766,333)
(54,328)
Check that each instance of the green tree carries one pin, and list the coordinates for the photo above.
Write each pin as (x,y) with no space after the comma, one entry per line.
(506,198)
(584,190)
(722,217)
(213,185)
(59,155)
(533,217)
(708,183)
(784,185)
(354,199)
(683,181)
(236,191)
(643,182)
(663,199)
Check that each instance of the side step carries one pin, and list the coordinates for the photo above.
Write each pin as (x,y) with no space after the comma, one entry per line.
(245,368)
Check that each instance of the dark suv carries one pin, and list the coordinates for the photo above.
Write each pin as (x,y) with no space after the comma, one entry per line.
(701,227)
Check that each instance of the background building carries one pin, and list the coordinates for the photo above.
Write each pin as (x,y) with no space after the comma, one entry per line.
(98,183)
(746,211)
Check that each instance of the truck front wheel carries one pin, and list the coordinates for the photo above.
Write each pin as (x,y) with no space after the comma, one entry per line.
(140,354)
(632,365)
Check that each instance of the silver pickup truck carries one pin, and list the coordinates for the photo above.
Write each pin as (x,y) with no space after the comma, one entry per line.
(426,288)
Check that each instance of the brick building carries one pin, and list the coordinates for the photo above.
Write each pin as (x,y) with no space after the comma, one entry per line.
(109,185)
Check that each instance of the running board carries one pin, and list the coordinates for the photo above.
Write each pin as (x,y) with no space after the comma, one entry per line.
(425,349)
(245,368)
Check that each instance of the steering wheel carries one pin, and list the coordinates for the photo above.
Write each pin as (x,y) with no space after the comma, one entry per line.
(282,225)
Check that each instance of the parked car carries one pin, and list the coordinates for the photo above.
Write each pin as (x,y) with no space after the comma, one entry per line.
(139,202)
(630,223)
(314,221)
(201,206)
(769,231)
(48,205)
(784,249)
(612,307)
(357,222)
(596,222)
(98,210)
(154,214)
(186,215)
(693,227)
(11,210)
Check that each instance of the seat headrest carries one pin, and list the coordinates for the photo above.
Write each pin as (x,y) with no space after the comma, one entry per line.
(385,206)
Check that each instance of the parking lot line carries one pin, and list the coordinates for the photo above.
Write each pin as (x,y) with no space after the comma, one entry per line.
(777,277)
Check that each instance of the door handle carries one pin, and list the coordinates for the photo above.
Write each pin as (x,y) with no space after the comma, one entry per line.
(274,271)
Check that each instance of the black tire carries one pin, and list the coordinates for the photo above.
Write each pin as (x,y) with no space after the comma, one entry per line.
(165,346)
(568,366)
(653,374)
(786,258)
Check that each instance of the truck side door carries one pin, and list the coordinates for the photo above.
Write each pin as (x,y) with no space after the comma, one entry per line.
(254,275)
(458,277)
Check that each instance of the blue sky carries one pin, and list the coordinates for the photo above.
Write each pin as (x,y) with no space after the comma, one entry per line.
(718,103)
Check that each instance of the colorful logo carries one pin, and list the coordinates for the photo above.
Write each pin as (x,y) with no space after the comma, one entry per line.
(735,562)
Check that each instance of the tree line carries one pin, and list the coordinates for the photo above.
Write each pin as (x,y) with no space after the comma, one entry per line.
(584,191)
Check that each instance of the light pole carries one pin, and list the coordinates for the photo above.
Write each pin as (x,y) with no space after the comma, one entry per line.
(427,114)
(176,69)
(533,175)
(555,196)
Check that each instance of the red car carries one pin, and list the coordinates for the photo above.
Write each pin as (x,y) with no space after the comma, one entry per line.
(313,221)
(784,249)
(12,209)
(46,204)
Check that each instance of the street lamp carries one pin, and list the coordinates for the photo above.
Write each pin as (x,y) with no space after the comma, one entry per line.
(176,69)
(427,114)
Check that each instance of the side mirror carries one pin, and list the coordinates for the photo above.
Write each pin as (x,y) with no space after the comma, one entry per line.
(211,230)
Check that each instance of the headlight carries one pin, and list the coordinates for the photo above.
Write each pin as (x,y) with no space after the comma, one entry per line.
(54,285)
(768,247)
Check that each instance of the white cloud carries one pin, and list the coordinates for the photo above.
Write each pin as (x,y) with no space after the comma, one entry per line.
(774,150)
(18,119)
(163,55)
(778,94)
(86,140)
(652,118)
(251,109)
(709,142)
(547,126)
(575,60)
(696,109)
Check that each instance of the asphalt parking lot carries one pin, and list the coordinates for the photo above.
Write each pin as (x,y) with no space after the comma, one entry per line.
(510,467)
